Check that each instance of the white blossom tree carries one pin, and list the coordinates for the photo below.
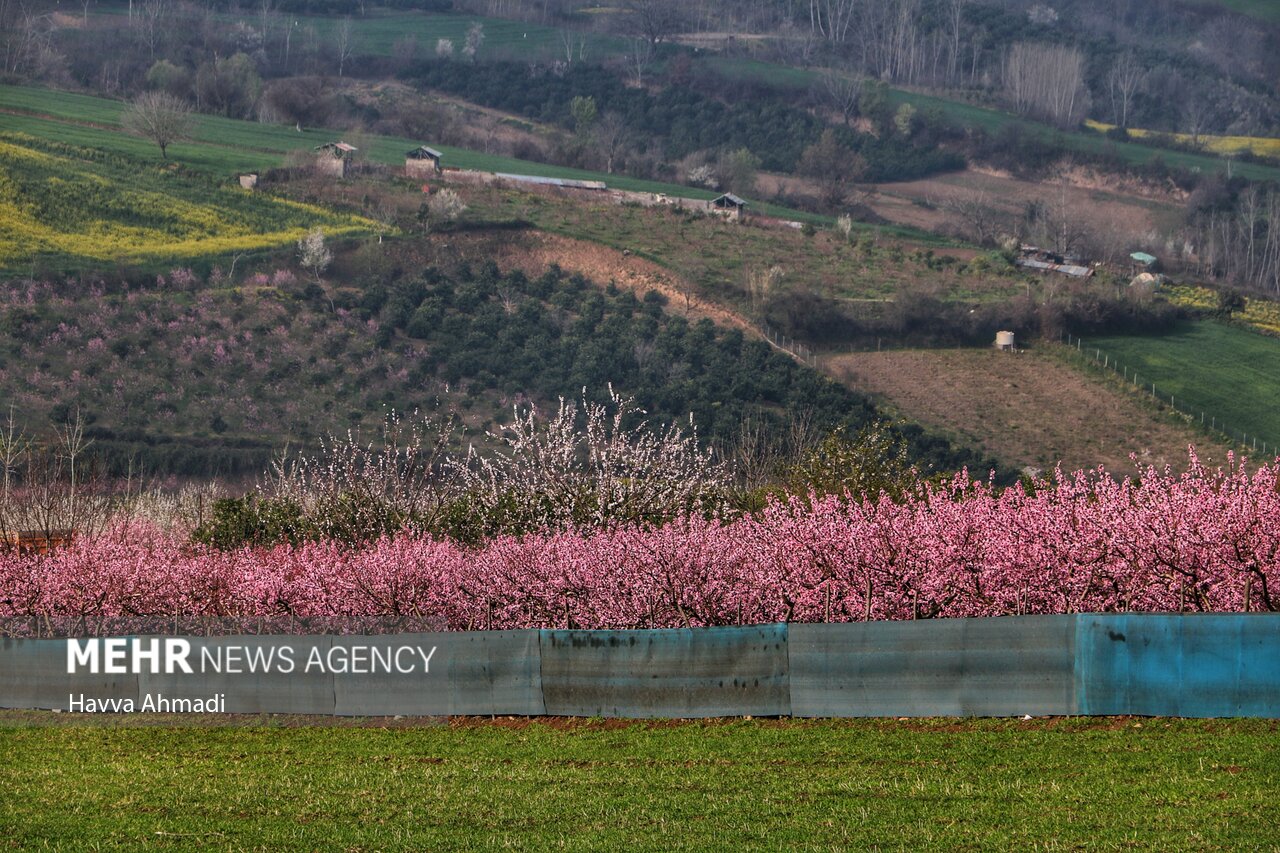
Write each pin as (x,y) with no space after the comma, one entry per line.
(614,470)
(313,254)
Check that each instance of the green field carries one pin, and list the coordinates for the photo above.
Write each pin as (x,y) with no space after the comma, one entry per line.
(226,146)
(942,784)
(1226,372)
(992,120)
(376,33)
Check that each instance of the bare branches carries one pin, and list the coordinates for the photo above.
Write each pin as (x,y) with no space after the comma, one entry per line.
(356,490)
(614,470)
(160,117)
(54,488)
(1048,81)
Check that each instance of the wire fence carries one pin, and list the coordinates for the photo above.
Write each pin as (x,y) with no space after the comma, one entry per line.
(1209,422)
(790,346)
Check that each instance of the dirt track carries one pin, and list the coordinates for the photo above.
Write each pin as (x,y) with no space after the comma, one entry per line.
(533,252)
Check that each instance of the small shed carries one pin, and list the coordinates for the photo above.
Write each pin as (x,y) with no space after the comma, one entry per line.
(422,161)
(35,541)
(332,158)
(249,181)
(1043,260)
(729,205)
(1142,262)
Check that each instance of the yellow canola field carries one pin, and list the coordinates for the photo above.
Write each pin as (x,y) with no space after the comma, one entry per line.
(1262,314)
(1261,145)
(96,209)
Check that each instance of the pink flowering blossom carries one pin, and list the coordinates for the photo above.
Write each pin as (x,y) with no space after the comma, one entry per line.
(1201,541)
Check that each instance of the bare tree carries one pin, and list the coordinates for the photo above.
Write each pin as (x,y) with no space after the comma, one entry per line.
(1122,83)
(610,135)
(832,19)
(758,452)
(655,20)
(574,45)
(841,92)
(954,11)
(638,59)
(1198,112)
(344,43)
(761,283)
(160,117)
(979,219)
(25,32)
(1047,80)
(151,22)
(52,488)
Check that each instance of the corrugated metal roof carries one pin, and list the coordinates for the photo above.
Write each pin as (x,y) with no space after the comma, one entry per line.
(421,150)
(732,199)
(1143,258)
(553,182)
(1066,269)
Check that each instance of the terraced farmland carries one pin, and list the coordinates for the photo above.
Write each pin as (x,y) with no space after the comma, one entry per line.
(76,204)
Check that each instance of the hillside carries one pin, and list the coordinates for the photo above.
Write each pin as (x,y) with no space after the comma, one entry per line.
(62,204)
(826,288)
(226,146)
(267,330)
(202,376)
(1027,408)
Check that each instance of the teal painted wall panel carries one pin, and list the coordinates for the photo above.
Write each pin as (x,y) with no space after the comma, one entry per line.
(685,672)
(1199,665)
(934,667)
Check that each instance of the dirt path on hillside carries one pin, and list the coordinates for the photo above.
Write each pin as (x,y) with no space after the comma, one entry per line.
(534,252)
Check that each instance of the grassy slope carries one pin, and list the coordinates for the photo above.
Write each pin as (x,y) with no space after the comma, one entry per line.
(1228,373)
(377,32)
(939,784)
(716,257)
(227,146)
(70,204)
(992,120)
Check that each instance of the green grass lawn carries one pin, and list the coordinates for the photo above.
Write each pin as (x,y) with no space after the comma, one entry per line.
(1227,372)
(941,784)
